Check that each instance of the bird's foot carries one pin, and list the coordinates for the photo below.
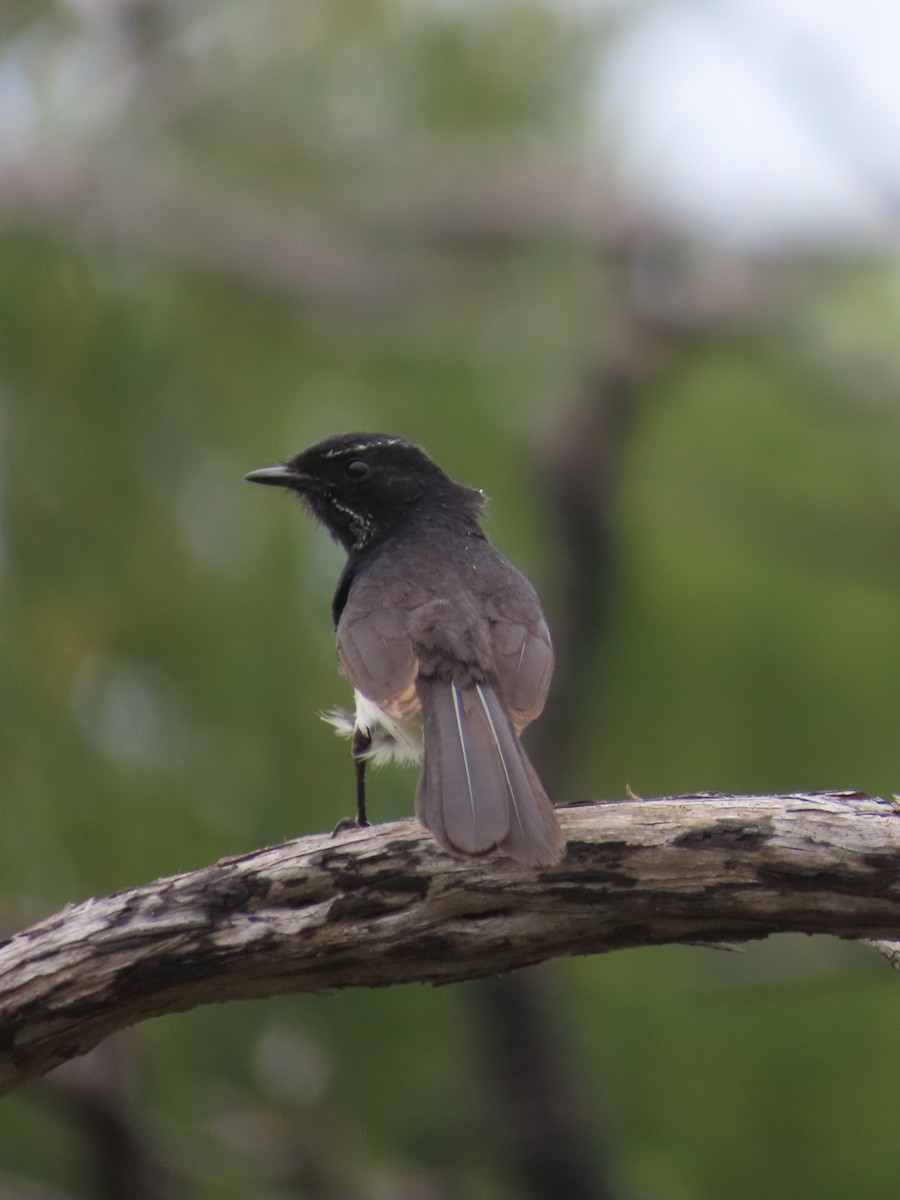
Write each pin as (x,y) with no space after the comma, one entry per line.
(345,824)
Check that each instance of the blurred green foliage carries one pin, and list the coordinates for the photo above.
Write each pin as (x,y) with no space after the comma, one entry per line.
(165,630)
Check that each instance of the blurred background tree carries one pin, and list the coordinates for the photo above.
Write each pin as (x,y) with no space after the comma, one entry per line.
(632,268)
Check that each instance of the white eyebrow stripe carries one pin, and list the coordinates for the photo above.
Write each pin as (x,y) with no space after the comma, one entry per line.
(361,447)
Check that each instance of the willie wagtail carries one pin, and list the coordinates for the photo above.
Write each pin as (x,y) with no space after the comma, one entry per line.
(437,632)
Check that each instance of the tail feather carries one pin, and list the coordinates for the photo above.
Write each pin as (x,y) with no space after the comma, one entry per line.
(478,791)
(534,833)
(462,791)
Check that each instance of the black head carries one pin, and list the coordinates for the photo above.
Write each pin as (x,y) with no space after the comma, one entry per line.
(361,486)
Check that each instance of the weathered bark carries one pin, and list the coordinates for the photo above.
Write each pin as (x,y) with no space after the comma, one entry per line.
(383,905)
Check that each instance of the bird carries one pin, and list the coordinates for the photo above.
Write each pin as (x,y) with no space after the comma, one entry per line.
(442,638)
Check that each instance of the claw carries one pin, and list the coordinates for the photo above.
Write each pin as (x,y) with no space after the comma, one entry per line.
(347,824)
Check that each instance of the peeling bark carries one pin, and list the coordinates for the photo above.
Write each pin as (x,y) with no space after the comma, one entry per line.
(384,905)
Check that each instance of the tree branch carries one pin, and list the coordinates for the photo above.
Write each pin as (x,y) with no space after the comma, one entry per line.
(383,905)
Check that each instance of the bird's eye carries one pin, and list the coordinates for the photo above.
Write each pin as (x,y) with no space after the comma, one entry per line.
(357,469)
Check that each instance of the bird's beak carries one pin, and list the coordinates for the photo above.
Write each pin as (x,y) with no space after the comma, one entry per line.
(279,476)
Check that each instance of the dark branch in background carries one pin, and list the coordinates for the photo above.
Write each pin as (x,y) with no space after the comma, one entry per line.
(552,1136)
(582,469)
(543,1127)
(667,299)
(396,256)
(98,1096)
(383,906)
(552,1142)
(288,250)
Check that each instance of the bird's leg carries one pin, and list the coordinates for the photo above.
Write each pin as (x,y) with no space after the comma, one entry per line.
(362,741)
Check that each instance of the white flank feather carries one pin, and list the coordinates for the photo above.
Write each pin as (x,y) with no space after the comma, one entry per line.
(392,740)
